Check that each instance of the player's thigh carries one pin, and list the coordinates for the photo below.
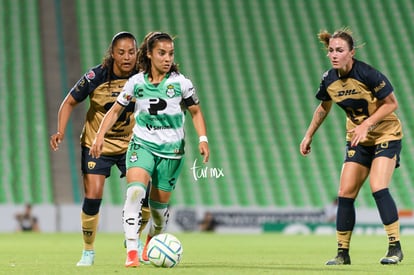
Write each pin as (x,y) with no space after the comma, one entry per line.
(387,158)
(140,164)
(381,172)
(138,174)
(94,173)
(93,185)
(353,175)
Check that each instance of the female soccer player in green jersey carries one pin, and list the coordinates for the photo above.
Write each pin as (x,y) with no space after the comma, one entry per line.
(156,149)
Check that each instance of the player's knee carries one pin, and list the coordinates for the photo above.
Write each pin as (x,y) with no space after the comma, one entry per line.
(135,192)
(91,206)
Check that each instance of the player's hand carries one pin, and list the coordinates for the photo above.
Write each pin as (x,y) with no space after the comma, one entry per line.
(55,139)
(204,150)
(359,133)
(305,147)
(96,148)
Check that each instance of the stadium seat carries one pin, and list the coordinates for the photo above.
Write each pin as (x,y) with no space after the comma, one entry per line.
(26,174)
(257,66)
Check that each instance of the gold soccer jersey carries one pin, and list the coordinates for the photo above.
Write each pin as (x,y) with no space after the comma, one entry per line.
(358,94)
(103,92)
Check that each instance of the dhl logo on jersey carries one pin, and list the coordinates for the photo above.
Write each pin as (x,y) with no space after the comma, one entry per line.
(346,93)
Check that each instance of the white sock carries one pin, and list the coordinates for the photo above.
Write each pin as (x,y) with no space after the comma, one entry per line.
(132,214)
(159,217)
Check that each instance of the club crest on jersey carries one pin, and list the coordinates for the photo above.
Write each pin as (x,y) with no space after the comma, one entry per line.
(351,153)
(134,157)
(170,90)
(91,164)
(90,75)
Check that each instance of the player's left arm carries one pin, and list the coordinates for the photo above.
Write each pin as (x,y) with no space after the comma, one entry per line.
(201,129)
(386,106)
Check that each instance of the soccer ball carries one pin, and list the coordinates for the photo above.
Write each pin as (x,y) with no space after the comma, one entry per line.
(165,250)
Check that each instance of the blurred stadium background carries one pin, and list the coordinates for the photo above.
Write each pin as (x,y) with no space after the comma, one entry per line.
(256,66)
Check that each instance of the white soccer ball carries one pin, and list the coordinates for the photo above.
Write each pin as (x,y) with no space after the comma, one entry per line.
(165,250)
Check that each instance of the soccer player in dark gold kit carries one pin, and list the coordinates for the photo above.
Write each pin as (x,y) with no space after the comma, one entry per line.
(102,84)
(373,136)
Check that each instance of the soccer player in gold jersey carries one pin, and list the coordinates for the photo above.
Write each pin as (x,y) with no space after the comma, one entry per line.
(102,84)
(373,136)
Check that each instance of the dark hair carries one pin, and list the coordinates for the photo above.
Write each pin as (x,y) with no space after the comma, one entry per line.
(344,33)
(144,63)
(108,60)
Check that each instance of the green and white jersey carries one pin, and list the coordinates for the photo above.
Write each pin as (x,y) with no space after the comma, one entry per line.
(158,112)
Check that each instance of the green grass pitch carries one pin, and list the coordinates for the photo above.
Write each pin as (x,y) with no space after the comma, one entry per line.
(204,253)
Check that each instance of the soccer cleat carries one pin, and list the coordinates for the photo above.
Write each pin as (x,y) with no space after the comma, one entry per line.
(87,259)
(394,254)
(132,259)
(144,256)
(340,259)
(140,250)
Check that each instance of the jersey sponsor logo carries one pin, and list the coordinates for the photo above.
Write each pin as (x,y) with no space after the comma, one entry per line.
(347,92)
(91,164)
(154,128)
(118,136)
(380,86)
(170,91)
(156,104)
(90,75)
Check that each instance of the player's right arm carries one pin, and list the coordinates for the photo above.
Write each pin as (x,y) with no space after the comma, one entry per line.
(107,122)
(64,113)
(321,112)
